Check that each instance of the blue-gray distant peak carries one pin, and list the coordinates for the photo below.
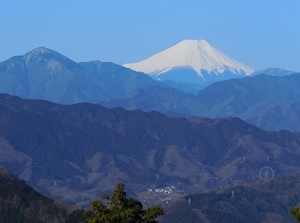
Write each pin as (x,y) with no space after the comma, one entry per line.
(274,72)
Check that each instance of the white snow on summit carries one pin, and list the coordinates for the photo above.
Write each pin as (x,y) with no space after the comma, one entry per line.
(195,54)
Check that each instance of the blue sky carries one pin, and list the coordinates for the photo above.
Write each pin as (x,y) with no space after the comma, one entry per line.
(259,33)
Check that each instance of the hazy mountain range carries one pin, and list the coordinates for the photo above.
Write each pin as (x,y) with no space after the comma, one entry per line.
(266,101)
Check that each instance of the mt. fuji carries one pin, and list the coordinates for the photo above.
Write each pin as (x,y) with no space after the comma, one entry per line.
(192,61)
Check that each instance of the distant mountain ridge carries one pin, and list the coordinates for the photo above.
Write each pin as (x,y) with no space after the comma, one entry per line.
(188,57)
(274,72)
(46,74)
(269,102)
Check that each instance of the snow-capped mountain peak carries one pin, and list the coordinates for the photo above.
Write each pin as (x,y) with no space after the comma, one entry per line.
(198,55)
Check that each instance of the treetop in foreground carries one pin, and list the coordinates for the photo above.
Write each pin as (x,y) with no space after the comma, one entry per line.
(295,211)
(121,209)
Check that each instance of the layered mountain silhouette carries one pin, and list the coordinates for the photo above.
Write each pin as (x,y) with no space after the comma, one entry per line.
(79,152)
(268,102)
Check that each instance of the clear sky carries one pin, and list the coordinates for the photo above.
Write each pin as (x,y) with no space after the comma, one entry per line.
(259,33)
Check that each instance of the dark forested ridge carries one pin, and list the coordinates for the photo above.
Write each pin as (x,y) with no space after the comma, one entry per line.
(20,203)
(78,152)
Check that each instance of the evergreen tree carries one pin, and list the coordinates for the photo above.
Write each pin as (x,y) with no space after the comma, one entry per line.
(295,211)
(121,209)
